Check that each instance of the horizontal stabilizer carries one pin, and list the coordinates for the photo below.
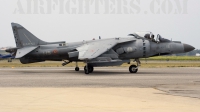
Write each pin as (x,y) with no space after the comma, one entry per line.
(24,51)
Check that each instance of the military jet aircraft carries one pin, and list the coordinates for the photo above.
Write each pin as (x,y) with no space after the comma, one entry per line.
(9,57)
(95,53)
(4,55)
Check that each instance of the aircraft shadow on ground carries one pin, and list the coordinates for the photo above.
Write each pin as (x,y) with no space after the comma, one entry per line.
(98,73)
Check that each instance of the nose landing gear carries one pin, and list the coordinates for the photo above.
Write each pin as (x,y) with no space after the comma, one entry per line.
(134,68)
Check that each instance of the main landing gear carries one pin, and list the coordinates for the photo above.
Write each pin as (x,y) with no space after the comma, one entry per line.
(88,69)
(134,68)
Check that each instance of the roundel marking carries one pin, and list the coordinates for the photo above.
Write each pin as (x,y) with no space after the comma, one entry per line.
(55,52)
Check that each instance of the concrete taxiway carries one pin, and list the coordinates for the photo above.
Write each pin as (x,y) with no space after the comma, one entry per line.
(107,89)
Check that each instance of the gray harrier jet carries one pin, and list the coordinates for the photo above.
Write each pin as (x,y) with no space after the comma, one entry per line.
(94,53)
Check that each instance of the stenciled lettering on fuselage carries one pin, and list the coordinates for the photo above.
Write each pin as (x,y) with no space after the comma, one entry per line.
(47,53)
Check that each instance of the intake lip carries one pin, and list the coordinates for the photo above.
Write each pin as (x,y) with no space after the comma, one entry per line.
(188,48)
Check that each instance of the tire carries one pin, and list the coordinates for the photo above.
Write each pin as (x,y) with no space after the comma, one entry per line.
(133,69)
(77,69)
(91,68)
(86,71)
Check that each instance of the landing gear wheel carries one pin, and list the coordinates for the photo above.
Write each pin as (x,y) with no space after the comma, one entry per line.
(90,68)
(77,69)
(133,69)
(86,70)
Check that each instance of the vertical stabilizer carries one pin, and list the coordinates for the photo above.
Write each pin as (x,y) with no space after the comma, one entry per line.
(24,38)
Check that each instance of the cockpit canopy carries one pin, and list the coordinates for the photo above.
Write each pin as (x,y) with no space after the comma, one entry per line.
(149,36)
(144,34)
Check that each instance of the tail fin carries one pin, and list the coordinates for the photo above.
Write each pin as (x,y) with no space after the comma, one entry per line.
(25,38)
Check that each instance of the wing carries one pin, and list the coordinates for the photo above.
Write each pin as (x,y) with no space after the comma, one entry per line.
(92,50)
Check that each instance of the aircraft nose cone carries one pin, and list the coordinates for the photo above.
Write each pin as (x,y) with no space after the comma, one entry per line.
(188,48)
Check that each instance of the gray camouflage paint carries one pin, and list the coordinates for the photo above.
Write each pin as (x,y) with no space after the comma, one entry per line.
(104,52)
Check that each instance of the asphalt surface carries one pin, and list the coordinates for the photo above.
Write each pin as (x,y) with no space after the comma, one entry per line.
(174,81)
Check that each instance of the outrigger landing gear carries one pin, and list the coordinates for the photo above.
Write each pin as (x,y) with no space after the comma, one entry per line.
(88,69)
(134,68)
(77,68)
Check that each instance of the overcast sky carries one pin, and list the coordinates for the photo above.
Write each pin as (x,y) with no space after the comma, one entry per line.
(74,20)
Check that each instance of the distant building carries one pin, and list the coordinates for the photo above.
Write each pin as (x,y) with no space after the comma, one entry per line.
(197,54)
(3,48)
